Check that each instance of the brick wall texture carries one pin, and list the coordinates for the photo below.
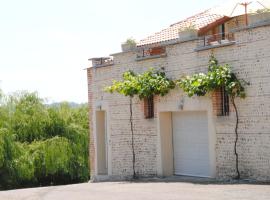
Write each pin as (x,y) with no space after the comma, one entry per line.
(249,58)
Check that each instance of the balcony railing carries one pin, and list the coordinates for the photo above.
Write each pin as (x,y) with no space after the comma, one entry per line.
(151,52)
(102,62)
(216,40)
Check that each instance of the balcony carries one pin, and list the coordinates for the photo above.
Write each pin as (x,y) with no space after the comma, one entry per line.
(150,53)
(214,41)
(102,61)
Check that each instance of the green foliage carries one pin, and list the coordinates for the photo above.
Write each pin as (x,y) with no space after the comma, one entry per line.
(40,144)
(195,84)
(130,41)
(263,10)
(127,87)
(152,82)
(218,76)
(189,27)
(30,117)
(9,150)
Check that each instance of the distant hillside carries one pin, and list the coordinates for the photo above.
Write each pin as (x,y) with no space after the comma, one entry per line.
(71,104)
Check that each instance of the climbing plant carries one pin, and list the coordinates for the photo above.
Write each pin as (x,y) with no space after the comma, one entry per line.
(151,82)
(218,76)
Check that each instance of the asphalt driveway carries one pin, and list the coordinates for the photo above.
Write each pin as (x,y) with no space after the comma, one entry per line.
(142,190)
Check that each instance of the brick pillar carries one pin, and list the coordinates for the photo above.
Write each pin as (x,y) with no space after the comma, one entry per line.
(91,137)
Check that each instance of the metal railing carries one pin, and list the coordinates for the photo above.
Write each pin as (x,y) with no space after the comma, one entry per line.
(216,39)
(101,62)
(149,52)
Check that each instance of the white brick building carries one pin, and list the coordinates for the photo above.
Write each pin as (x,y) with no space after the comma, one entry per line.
(186,136)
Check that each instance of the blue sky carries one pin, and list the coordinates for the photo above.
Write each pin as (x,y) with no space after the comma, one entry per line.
(45,44)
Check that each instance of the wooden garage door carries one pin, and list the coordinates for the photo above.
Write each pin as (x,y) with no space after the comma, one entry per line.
(191,144)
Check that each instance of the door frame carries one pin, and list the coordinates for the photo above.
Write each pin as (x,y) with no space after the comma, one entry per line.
(101,142)
(165,161)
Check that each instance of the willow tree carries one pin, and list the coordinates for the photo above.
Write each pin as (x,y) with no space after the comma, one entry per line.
(41,144)
(218,76)
(145,85)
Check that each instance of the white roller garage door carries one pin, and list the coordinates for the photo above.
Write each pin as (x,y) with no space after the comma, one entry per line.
(191,144)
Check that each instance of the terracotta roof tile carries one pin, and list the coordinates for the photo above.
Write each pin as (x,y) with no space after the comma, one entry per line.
(199,21)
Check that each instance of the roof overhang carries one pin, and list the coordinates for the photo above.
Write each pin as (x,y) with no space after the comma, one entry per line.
(212,25)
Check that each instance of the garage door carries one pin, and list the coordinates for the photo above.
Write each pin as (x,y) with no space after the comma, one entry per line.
(191,144)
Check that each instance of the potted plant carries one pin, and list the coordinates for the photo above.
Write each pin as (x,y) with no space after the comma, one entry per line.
(260,15)
(129,45)
(188,33)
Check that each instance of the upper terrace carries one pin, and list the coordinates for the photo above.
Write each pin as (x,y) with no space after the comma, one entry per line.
(208,29)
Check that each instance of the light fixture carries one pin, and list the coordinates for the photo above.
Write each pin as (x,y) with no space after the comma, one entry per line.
(181,104)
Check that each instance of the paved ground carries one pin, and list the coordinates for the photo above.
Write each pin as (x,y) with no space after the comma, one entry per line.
(143,190)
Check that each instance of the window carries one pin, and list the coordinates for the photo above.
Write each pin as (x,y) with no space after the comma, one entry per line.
(221,102)
(222,31)
(153,52)
(157,51)
(225,102)
(149,107)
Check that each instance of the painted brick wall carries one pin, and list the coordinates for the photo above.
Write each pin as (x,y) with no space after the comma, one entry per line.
(250,60)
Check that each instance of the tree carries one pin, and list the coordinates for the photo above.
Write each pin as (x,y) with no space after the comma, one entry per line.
(42,144)
(145,85)
(218,76)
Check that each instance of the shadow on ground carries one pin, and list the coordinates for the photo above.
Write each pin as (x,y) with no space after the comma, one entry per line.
(193,180)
